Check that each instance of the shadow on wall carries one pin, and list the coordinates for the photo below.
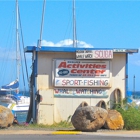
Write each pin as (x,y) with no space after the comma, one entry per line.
(118,63)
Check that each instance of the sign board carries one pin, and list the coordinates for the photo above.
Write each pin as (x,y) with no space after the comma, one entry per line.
(82,68)
(94,54)
(92,93)
(82,73)
(119,50)
(82,82)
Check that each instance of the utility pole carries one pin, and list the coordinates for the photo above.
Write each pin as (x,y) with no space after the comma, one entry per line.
(134,84)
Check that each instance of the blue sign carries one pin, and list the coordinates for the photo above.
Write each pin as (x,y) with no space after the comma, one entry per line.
(63,72)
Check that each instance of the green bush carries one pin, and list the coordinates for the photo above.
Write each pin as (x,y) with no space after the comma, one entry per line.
(130,114)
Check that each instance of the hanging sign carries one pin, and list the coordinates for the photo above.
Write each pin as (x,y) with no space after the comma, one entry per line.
(92,93)
(119,50)
(82,73)
(82,82)
(80,68)
(94,54)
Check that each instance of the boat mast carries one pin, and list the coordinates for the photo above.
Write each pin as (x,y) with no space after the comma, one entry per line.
(74,26)
(42,23)
(17,42)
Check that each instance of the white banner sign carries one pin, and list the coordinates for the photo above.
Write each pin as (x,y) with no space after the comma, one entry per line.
(93,93)
(82,82)
(94,54)
(81,68)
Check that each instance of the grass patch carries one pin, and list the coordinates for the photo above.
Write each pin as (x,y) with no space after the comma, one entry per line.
(62,124)
(55,126)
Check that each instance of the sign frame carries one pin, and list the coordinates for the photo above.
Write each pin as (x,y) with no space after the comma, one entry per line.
(56,77)
(85,93)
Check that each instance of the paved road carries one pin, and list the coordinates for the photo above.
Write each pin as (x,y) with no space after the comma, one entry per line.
(63,137)
(67,135)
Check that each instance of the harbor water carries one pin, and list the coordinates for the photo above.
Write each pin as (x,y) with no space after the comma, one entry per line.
(21,116)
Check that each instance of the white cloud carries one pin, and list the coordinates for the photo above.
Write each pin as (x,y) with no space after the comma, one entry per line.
(46,43)
(66,43)
(63,43)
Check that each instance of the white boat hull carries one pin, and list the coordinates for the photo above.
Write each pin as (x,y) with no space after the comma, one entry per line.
(19,108)
(21,105)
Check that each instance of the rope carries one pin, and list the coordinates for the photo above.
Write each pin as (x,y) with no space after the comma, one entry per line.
(83,104)
(102,104)
(23,49)
(20,50)
(6,57)
(23,77)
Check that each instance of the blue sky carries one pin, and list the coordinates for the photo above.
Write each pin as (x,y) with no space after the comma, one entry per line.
(99,24)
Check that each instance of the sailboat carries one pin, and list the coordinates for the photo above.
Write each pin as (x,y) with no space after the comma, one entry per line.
(10,93)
